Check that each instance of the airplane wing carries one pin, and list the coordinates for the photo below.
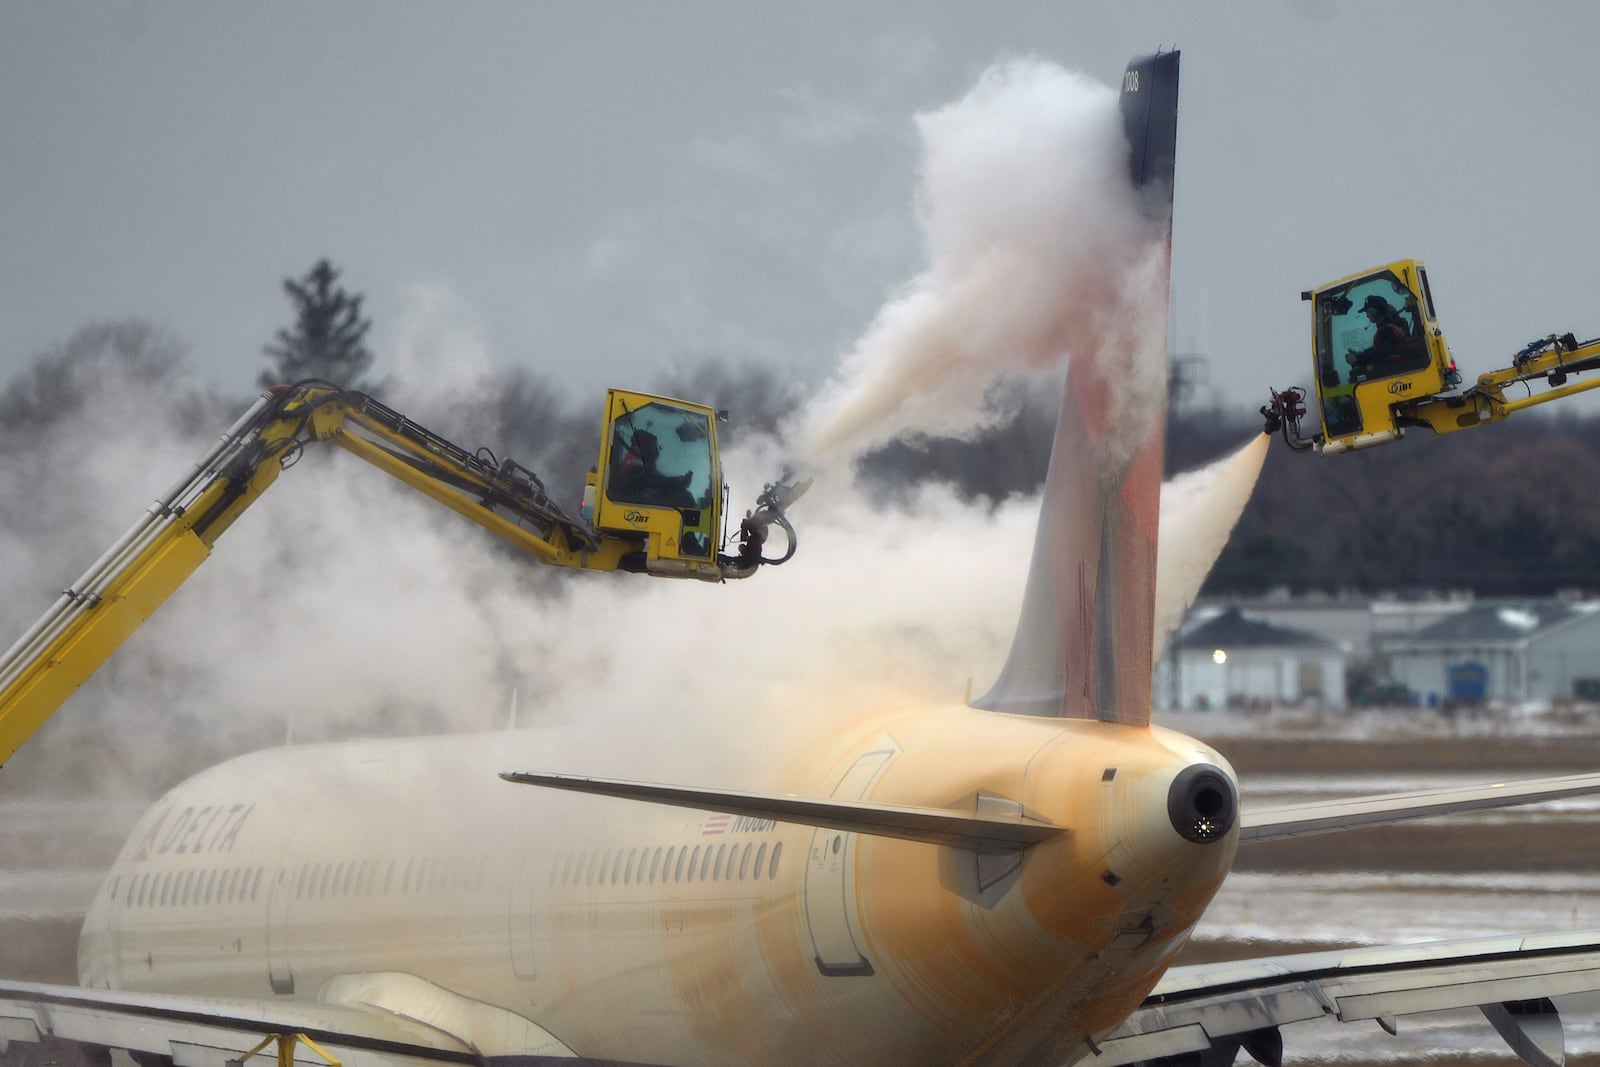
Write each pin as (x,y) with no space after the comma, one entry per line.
(1208,1013)
(1323,817)
(378,1021)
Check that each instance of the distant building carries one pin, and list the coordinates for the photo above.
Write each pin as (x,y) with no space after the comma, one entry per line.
(1502,651)
(1233,657)
(1360,623)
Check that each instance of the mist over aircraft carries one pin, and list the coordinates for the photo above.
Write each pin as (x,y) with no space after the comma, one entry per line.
(1002,881)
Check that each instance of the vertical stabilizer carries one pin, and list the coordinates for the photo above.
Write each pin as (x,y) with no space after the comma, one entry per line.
(1084,641)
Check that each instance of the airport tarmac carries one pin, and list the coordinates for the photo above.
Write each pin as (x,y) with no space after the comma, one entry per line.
(1520,870)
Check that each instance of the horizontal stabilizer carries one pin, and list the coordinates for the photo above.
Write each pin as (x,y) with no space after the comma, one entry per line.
(936,826)
(1331,816)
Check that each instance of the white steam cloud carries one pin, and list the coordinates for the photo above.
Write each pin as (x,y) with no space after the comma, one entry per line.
(1198,511)
(344,603)
(1037,250)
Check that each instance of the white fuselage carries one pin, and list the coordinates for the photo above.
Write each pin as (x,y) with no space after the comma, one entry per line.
(645,934)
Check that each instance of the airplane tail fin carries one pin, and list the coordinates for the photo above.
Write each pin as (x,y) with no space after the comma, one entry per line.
(1083,647)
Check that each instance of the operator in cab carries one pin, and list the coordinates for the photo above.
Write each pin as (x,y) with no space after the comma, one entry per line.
(1390,338)
(639,479)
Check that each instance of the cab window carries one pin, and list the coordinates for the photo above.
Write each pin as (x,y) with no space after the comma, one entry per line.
(1369,329)
(661,455)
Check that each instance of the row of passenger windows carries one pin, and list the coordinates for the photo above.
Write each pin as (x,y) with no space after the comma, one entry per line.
(242,885)
(353,878)
(702,863)
(160,889)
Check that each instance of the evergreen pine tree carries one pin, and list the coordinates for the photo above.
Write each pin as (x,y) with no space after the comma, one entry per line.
(326,341)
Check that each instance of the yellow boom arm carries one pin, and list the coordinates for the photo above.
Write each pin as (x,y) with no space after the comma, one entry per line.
(93,617)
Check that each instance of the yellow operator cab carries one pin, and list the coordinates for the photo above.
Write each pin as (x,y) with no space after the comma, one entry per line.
(1376,342)
(660,479)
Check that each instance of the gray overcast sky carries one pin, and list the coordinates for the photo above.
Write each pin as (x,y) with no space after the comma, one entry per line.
(607,188)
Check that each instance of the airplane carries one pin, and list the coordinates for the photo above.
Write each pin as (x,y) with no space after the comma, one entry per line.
(1004,881)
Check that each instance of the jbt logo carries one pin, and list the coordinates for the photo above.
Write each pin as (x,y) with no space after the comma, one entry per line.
(1401,386)
(633,516)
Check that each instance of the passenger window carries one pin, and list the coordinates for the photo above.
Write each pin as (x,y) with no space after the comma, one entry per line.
(141,881)
(255,884)
(655,864)
(744,862)
(677,871)
(697,867)
(716,871)
(627,876)
(761,856)
(777,850)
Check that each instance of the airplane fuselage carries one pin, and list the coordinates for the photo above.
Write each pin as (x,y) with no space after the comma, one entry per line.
(644,934)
